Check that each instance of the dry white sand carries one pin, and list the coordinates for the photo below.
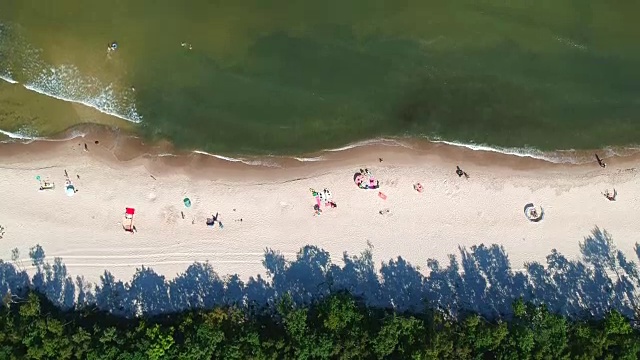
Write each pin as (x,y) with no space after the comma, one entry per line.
(85,230)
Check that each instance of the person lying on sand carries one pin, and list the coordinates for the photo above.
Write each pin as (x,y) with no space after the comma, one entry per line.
(417,187)
(610,196)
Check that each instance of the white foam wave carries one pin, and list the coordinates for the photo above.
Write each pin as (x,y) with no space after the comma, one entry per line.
(243,161)
(27,63)
(377,141)
(8,79)
(563,156)
(30,137)
(19,135)
(67,84)
(571,43)
(317,158)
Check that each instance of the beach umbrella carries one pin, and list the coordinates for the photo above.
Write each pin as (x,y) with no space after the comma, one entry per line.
(70,190)
(187,202)
(528,208)
(358,178)
(38,178)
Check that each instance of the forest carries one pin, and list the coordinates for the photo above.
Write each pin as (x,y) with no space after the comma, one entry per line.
(476,306)
(339,326)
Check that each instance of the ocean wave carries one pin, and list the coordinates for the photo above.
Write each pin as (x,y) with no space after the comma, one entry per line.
(67,84)
(19,135)
(313,159)
(256,162)
(23,63)
(556,157)
(570,43)
(25,134)
(8,79)
(376,141)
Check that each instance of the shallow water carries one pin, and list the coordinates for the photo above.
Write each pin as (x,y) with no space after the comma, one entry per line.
(295,77)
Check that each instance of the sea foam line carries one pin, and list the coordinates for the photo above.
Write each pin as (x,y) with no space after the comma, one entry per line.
(376,141)
(135,119)
(519,152)
(85,103)
(18,136)
(8,79)
(243,161)
(313,159)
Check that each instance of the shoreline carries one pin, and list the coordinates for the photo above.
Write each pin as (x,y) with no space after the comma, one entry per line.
(408,145)
(415,142)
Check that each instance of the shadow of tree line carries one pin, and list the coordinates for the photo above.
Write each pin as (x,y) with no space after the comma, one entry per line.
(479,279)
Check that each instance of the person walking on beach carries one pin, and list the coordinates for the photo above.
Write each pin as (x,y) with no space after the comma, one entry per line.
(460,172)
(600,162)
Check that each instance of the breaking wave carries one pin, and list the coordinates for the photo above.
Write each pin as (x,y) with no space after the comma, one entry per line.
(22,64)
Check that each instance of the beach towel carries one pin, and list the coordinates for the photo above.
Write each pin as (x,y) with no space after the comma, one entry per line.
(382,196)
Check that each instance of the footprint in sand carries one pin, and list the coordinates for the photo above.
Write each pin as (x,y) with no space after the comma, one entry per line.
(285,206)
(391,183)
(170,214)
(451,189)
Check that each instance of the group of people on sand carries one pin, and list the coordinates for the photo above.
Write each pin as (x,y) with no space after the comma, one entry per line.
(46,184)
(325,197)
(365,180)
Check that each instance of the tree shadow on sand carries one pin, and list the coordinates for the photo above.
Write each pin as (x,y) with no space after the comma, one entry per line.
(478,279)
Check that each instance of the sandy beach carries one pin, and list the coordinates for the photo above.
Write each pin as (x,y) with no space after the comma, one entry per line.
(265,207)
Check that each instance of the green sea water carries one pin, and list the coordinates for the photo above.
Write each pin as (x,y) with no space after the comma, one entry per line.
(282,77)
